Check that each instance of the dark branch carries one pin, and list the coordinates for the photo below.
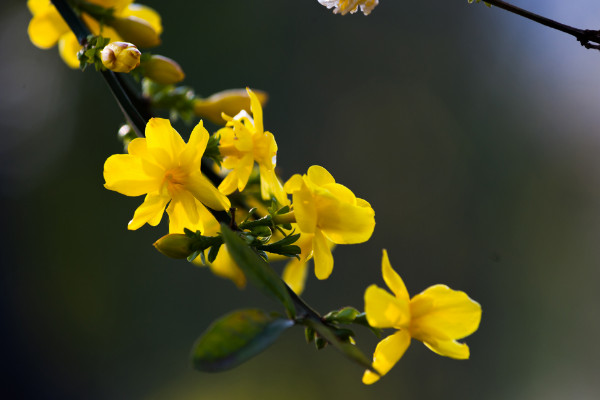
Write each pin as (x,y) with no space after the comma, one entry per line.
(590,39)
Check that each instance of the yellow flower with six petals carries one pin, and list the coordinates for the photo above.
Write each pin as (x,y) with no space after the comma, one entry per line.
(438,316)
(167,170)
(47,28)
(244,141)
(327,213)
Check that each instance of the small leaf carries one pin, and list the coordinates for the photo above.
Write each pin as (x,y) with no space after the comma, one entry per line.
(257,270)
(235,338)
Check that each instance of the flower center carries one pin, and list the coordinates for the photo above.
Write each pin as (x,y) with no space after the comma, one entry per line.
(175,179)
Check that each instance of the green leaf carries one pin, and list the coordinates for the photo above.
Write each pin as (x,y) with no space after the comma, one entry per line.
(257,270)
(349,350)
(235,338)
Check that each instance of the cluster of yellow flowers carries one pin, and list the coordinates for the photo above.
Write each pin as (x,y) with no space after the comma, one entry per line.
(130,22)
(167,171)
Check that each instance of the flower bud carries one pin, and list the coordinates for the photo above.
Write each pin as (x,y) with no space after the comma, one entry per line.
(120,56)
(230,102)
(162,70)
(135,30)
(174,245)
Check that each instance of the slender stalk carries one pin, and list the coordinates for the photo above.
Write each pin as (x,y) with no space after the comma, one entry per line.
(590,39)
(123,98)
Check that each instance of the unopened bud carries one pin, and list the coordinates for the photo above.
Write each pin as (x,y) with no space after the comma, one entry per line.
(120,56)
(135,30)
(230,102)
(162,70)
(174,245)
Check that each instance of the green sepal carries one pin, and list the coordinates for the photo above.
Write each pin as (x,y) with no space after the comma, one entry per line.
(194,255)
(283,247)
(257,270)
(309,334)
(213,252)
(235,338)
(320,343)
(346,315)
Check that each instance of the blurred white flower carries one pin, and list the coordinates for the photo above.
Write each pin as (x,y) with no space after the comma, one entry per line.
(350,6)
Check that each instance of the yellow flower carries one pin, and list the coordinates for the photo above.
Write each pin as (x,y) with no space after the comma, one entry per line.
(438,316)
(47,28)
(350,6)
(167,170)
(327,212)
(242,142)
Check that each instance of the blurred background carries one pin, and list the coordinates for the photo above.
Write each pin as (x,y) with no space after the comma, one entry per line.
(473,133)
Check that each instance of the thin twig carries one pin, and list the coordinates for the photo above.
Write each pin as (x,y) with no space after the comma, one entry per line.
(590,39)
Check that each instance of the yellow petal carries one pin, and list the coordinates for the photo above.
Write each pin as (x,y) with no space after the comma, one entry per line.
(449,348)
(68,47)
(46,28)
(392,279)
(150,211)
(243,170)
(146,13)
(270,186)
(319,175)
(293,184)
(163,141)
(137,147)
(195,147)
(440,313)
(203,190)
(225,267)
(340,192)
(256,109)
(384,310)
(229,184)
(305,209)
(322,256)
(344,223)
(188,203)
(294,274)
(178,218)
(387,353)
(124,173)
(39,6)
(362,203)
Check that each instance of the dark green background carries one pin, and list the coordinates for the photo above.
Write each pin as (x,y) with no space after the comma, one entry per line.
(472,132)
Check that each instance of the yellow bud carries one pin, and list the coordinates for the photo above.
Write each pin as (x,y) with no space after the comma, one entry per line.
(120,56)
(162,70)
(135,30)
(174,245)
(230,102)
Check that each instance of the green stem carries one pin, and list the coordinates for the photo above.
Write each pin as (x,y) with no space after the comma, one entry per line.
(590,39)
(287,218)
